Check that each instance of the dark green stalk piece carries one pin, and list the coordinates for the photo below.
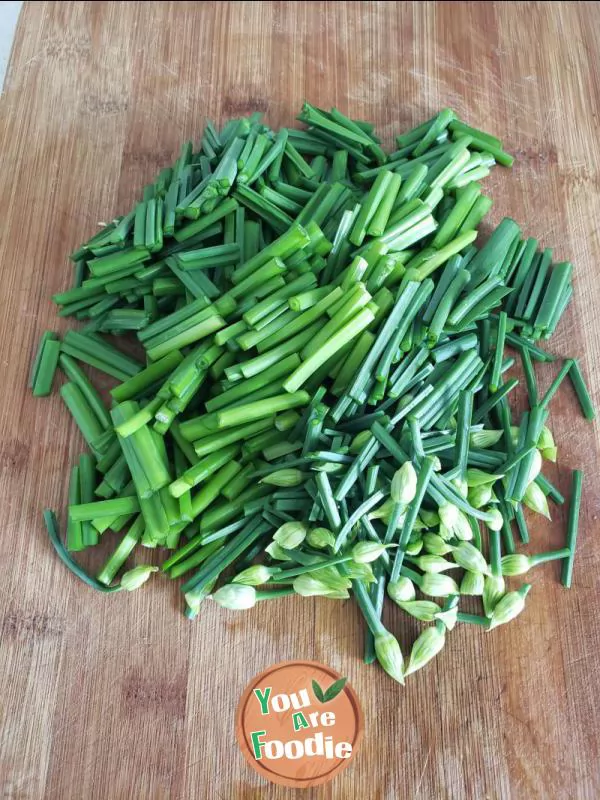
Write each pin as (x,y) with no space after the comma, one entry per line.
(87,482)
(356,515)
(46,337)
(446,305)
(581,390)
(463,427)
(423,477)
(104,508)
(54,534)
(46,367)
(474,619)
(122,552)
(74,529)
(553,388)
(521,524)
(86,420)
(493,400)
(549,489)
(498,353)
(370,205)
(572,527)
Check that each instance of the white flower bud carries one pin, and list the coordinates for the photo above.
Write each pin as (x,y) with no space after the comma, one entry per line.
(320,538)
(462,486)
(359,440)
(445,533)
(433,564)
(435,544)
(361,572)
(493,590)
(366,552)
(414,548)
(389,655)
(290,535)
(461,528)
(137,577)
(535,499)
(516,564)
(277,553)
(495,524)
(427,646)
(480,496)
(546,444)
(430,518)
(235,596)
(402,590)
(404,484)
(473,583)
(469,557)
(423,610)
(535,466)
(448,513)
(509,607)
(485,438)
(438,585)
(549,453)
(254,575)
(448,617)
(326,582)
(284,477)
(477,477)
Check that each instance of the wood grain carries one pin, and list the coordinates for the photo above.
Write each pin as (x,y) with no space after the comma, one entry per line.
(122,697)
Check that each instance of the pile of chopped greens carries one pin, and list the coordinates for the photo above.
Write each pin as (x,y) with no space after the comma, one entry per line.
(319,403)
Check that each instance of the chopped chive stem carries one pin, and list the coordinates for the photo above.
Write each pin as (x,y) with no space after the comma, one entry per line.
(465,413)
(530,378)
(46,337)
(224,557)
(581,390)
(198,557)
(493,400)
(283,574)
(505,467)
(241,414)
(423,477)
(46,369)
(553,388)
(74,529)
(549,489)
(86,420)
(54,535)
(368,609)
(104,508)
(473,619)
(499,352)
(327,501)
(552,555)
(122,552)
(535,351)
(508,541)
(521,524)
(572,527)
(362,509)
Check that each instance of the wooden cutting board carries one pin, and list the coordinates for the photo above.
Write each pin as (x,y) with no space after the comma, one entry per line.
(123,697)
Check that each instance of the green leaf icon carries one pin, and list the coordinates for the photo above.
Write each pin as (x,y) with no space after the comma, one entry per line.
(318,692)
(331,693)
(335,689)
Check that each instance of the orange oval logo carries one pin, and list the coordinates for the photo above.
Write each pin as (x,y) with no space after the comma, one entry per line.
(299,724)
